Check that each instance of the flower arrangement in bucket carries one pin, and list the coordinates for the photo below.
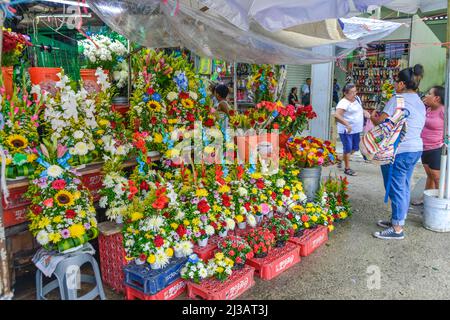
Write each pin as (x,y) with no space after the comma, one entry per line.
(62,213)
(195,269)
(281,228)
(19,122)
(237,249)
(261,240)
(221,266)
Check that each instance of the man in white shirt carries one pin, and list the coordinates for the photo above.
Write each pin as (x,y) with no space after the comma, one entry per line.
(306,92)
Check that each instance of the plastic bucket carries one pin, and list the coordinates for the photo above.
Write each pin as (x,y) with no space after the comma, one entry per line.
(436,212)
(7,73)
(310,178)
(121,105)
(90,79)
(46,78)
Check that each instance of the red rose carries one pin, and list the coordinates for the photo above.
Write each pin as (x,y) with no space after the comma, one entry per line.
(70,214)
(190,117)
(287,192)
(59,184)
(36,209)
(214,225)
(144,186)
(203,206)
(234,245)
(209,122)
(305,218)
(181,230)
(159,241)
(260,119)
(260,184)
(202,232)
(290,216)
(143,256)
(231,253)
(184,95)
(153,120)
(150,91)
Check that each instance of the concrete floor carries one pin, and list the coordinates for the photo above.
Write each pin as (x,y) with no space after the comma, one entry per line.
(346,267)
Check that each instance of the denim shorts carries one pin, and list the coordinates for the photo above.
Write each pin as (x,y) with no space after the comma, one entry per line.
(350,141)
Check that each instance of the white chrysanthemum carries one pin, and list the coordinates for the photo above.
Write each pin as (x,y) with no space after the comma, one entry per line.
(191,275)
(81,148)
(242,192)
(154,223)
(78,134)
(54,171)
(280,183)
(161,258)
(186,247)
(209,230)
(118,190)
(172,96)
(203,273)
(231,224)
(251,220)
(42,237)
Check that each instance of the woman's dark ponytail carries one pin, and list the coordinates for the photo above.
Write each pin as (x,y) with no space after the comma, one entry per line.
(411,76)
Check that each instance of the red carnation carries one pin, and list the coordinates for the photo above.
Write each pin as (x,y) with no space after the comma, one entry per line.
(150,91)
(159,241)
(153,120)
(160,203)
(190,117)
(274,195)
(260,184)
(209,122)
(290,216)
(59,184)
(287,192)
(36,209)
(203,206)
(70,214)
(181,230)
(202,232)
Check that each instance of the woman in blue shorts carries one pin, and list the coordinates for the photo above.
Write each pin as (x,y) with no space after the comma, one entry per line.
(350,118)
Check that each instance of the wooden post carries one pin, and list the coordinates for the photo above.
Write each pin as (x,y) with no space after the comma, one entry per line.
(5,280)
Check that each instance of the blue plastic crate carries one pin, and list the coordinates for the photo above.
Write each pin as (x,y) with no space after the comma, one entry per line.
(149,281)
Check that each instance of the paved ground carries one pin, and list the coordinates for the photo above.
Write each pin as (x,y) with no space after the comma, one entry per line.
(414,268)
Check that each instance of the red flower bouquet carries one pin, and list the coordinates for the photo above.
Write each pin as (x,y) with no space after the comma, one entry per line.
(261,240)
(236,249)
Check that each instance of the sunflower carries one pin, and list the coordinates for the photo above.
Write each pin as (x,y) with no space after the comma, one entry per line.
(187,103)
(17,141)
(154,106)
(64,198)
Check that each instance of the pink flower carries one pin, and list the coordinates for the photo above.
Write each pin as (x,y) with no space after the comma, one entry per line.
(265,208)
(320,161)
(48,203)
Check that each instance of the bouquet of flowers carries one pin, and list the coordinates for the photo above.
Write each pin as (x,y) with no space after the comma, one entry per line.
(297,219)
(102,51)
(70,117)
(281,228)
(62,213)
(221,266)
(312,152)
(387,91)
(263,82)
(237,249)
(13,45)
(19,136)
(312,215)
(259,200)
(293,120)
(287,190)
(195,269)
(261,240)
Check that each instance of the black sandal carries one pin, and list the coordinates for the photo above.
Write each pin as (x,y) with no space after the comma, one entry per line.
(350,172)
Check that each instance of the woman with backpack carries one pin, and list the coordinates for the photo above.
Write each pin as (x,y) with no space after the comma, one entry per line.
(350,117)
(408,153)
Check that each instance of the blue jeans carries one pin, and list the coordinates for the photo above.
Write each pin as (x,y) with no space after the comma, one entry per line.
(399,192)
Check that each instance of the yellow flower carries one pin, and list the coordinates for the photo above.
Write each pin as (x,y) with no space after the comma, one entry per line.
(151,259)
(174,225)
(239,218)
(220,269)
(100,141)
(43,223)
(224,189)
(295,172)
(196,221)
(169,252)
(172,121)
(129,230)
(227,212)
(64,198)
(158,138)
(101,131)
(343,214)
(330,227)
(256,175)
(295,197)
(57,219)
(216,208)
(31,157)
(263,197)
(154,105)
(147,236)
(280,203)
(76,230)
(187,103)
(295,226)
(219,256)
(103,122)
(82,213)
(229,262)
(186,222)
(93,222)
(209,149)
(17,142)
(54,237)
(136,216)
(168,175)
(254,191)
(306,225)
(314,218)
(201,193)
(129,258)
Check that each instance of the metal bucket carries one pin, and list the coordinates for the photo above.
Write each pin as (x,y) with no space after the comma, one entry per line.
(310,178)
(436,212)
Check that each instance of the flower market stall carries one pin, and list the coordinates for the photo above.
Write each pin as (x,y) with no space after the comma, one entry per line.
(190,204)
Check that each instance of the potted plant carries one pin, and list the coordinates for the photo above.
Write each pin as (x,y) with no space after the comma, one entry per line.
(281,228)
(312,154)
(195,269)
(261,240)
(221,266)
(237,249)
(13,45)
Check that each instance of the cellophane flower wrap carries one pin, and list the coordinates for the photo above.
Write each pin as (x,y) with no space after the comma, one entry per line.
(62,213)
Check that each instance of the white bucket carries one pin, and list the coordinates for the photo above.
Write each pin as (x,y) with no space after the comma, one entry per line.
(436,212)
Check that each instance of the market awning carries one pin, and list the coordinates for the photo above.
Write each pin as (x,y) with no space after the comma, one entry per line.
(152,23)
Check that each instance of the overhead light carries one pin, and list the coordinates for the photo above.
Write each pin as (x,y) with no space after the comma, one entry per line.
(72,3)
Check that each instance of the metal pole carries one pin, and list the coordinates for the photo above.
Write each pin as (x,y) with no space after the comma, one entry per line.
(5,285)
(129,70)
(447,122)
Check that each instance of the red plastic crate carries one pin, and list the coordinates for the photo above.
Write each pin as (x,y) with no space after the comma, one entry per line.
(94,182)
(213,289)
(277,261)
(311,240)
(206,253)
(15,212)
(169,293)
(112,260)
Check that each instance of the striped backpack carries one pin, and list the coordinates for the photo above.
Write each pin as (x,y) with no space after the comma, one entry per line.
(380,144)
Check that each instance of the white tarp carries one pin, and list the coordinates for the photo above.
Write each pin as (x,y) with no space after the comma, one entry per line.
(411,6)
(152,23)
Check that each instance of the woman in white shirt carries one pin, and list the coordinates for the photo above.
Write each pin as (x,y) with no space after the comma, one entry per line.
(350,117)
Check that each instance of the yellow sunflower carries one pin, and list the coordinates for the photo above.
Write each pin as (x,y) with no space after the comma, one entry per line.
(64,198)
(154,106)
(187,103)
(17,141)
